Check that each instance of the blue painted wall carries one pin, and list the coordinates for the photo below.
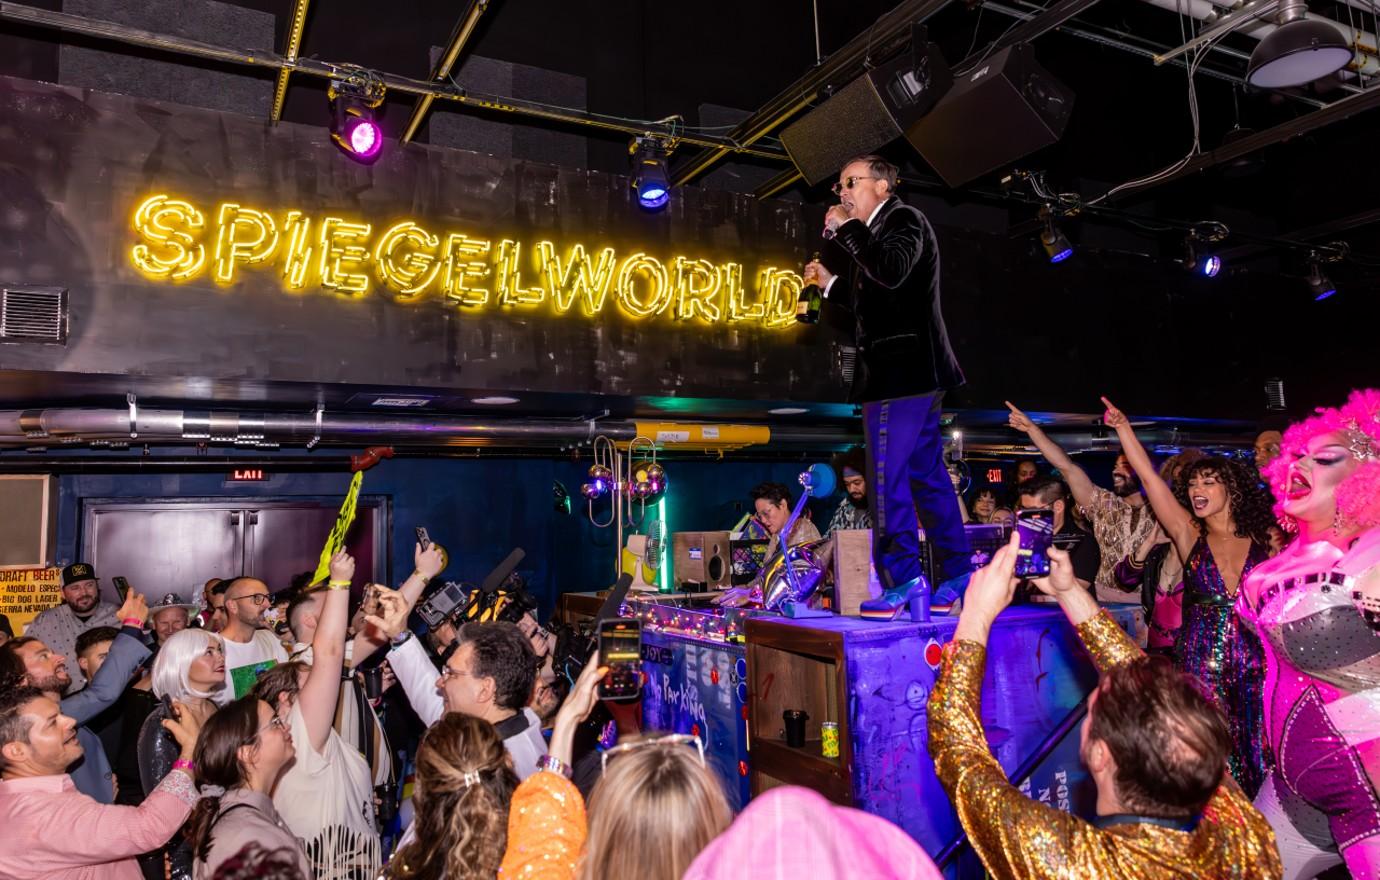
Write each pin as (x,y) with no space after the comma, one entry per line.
(478,509)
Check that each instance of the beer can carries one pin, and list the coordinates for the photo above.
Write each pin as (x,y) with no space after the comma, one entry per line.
(829,736)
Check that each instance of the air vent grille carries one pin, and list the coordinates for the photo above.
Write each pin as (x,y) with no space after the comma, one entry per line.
(33,314)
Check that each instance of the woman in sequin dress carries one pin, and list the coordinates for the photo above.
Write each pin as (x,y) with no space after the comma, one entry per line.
(1315,606)
(1220,522)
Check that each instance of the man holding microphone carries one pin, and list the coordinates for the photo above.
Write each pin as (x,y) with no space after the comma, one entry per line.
(905,364)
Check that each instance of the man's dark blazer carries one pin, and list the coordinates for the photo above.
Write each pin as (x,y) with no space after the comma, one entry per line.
(892,288)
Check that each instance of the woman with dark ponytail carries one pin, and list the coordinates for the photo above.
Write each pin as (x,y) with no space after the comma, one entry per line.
(241,753)
(465,782)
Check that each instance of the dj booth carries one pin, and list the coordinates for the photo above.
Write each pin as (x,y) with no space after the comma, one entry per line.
(729,677)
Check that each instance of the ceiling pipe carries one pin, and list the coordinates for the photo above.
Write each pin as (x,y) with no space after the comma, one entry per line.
(441,73)
(67,427)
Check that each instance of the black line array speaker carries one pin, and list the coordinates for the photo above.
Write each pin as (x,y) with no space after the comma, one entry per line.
(871,111)
(1007,107)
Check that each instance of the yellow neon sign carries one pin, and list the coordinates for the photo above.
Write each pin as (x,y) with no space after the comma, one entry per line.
(177,241)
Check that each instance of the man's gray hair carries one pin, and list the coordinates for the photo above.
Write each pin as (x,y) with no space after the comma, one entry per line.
(878,168)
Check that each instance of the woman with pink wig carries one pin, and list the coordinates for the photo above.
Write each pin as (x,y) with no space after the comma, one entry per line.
(1316,607)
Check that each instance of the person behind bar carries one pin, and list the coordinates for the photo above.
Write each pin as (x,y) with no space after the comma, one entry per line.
(905,364)
(1155,747)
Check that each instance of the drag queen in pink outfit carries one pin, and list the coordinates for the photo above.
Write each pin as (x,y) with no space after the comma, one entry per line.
(1316,607)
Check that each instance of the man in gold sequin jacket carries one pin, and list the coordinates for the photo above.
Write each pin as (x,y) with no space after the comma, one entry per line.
(1155,747)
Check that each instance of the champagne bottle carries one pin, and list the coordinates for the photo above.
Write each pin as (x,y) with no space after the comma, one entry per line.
(808,304)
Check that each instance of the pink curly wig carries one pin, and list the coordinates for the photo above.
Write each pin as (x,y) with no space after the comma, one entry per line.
(1358,497)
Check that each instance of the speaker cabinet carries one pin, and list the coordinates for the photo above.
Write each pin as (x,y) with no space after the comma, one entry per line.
(871,111)
(30,505)
(1007,108)
(702,558)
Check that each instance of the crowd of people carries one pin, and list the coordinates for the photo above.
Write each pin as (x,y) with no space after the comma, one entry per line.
(265,735)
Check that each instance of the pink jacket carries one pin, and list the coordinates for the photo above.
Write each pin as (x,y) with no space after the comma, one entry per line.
(54,832)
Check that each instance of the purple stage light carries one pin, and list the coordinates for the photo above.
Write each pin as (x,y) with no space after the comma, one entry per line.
(366,139)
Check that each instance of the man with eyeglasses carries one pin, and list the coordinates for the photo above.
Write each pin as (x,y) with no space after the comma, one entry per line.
(490,675)
(251,647)
(81,609)
(905,364)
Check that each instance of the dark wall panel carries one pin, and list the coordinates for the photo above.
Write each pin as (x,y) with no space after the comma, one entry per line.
(78,163)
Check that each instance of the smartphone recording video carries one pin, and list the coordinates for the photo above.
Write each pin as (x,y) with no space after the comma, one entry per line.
(620,649)
(1036,530)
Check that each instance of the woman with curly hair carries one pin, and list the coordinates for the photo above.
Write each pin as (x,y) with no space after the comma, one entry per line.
(1220,522)
(1317,607)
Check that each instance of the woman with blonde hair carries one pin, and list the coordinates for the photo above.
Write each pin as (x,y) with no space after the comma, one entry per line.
(656,807)
(465,782)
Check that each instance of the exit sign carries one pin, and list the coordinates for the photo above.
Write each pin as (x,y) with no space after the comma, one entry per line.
(994,475)
(247,475)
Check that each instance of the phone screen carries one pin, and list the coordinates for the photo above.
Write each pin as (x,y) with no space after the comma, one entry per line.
(620,649)
(423,537)
(1036,530)
(122,588)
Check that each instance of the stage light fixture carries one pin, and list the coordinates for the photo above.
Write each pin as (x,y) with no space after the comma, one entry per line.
(1199,264)
(354,126)
(650,177)
(1297,52)
(1056,244)
(1318,283)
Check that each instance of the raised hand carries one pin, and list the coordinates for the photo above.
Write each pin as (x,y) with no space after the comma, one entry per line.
(392,618)
(1061,578)
(428,562)
(1113,417)
(1018,420)
(135,607)
(342,567)
(991,587)
(584,694)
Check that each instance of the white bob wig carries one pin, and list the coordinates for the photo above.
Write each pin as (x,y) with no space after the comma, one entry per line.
(174,661)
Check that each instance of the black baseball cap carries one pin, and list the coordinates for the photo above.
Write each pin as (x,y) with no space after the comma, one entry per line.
(77,571)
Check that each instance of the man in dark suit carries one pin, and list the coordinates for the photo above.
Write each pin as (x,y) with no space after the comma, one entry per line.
(905,365)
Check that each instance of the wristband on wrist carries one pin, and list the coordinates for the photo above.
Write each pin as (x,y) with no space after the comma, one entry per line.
(555,765)
(401,638)
(134,622)
(184,764)
(338,585)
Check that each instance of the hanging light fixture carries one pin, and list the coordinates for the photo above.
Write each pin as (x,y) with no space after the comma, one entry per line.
(1056,244)
(1299,51)
(354,126)
(1318,283)
(650,177)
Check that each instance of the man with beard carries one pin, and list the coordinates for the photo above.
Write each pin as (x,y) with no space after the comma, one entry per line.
(1121,520)
(81,609)
(852,512)
(29,662)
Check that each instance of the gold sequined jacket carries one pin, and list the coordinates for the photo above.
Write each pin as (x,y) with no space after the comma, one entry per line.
(1017,837)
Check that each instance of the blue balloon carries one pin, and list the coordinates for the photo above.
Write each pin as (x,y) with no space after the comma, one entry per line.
(822,481)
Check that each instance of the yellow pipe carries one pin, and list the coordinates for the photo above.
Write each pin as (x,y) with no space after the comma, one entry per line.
(299,23)
(697,436)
